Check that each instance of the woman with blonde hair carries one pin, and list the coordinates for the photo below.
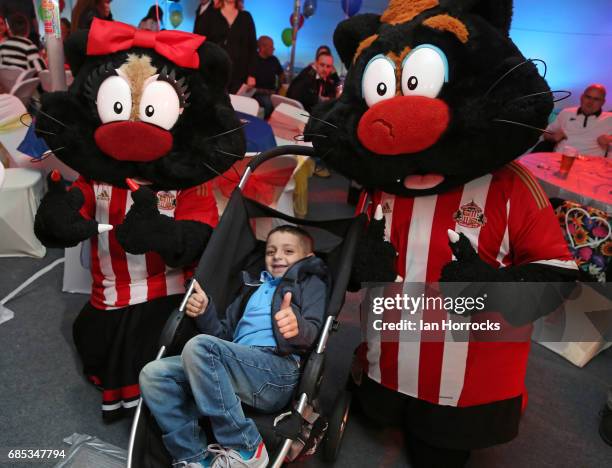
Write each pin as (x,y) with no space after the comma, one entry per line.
(231,26)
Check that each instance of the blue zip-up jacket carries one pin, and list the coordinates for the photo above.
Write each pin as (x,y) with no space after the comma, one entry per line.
(307,281)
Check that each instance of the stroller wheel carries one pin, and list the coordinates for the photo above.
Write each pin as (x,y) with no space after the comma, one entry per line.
(337,423)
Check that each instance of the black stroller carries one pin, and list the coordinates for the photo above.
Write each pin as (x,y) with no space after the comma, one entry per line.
(231,249)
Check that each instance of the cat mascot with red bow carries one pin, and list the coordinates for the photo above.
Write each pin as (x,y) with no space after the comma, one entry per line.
(147,123)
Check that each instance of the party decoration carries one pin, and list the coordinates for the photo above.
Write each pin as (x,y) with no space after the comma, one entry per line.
(351,7)
(287,36)
(176,14)
(300,21)
(310,7)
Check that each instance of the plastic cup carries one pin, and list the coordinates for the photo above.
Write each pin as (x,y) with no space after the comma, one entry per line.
(568,156)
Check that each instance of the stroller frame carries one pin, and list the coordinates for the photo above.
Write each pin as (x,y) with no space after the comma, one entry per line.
(313,370)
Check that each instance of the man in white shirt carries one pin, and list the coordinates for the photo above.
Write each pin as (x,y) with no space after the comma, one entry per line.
(586,128)
(198,23)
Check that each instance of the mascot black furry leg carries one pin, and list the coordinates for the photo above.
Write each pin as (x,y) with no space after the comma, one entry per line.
(437,103)
(150,108)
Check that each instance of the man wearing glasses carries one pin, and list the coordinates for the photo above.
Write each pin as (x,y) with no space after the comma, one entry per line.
(587,128)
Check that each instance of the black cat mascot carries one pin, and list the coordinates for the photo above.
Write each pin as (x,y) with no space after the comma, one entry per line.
(437,103)
(148,110)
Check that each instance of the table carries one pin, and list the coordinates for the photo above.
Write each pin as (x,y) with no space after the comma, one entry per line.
(259,134)
(589,182)
(13,131)
(20,196)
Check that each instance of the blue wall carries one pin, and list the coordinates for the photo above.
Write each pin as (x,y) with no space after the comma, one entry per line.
(574,38)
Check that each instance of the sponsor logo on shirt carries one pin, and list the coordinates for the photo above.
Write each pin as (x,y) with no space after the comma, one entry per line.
(387,208)
(470,215)
(102,194)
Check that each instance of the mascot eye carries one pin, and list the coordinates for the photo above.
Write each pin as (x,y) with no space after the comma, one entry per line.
(379,82)
(424,72)
(160,105)
(114,100)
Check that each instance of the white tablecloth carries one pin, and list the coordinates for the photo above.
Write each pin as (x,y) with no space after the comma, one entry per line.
(589,181)
(20,196)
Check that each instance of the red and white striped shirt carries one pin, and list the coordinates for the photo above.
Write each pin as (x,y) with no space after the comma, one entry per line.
(509,221)
(119,278)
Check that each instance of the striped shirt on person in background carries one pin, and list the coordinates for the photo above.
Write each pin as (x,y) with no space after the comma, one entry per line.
(20,52)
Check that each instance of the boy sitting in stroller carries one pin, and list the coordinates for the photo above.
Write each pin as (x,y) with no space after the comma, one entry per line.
(252,356)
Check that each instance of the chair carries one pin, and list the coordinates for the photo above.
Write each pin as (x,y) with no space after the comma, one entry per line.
(30,73)
(9,76)
(25,89)
(245,104)
(278,99)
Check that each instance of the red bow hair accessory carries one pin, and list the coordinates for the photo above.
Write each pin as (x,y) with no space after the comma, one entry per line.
(107,37)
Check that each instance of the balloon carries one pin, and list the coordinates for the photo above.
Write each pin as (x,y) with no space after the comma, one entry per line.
(176,18)
(287,36)
(176,14)
(310,7)
(300,21)
(351,7)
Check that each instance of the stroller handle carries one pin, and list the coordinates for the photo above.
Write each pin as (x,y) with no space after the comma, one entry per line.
(261,158)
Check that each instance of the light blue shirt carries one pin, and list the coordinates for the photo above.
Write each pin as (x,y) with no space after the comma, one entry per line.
(255,326)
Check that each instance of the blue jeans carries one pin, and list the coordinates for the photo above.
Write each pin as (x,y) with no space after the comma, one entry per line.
(211,378)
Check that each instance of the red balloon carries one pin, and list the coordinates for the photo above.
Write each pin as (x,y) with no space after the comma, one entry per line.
(62,5)
(300,22)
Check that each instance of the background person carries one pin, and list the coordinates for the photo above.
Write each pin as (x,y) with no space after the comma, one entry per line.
(18,50)
(150,22)
(314,84)
(269,74)
(232,27)
(85,11)
(65,27)
(198,24)
(4,32)
(586,128)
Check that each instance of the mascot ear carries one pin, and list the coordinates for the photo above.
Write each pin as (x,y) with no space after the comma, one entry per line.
(496,12)
(215,65)
(75,50)
(351,32)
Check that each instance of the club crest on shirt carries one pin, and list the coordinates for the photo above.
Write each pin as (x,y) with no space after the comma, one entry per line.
(166,201)
(470,215)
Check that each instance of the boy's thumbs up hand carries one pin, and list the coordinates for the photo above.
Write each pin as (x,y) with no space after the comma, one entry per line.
(286,321)
(197,302)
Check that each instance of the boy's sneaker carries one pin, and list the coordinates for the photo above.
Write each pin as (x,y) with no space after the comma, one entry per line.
(206,462)
(230,458)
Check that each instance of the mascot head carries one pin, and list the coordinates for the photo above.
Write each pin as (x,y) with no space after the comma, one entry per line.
(148,106)
(430,93)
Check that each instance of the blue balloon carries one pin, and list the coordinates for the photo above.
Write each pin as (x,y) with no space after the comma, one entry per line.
(351,7)
(310,7)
